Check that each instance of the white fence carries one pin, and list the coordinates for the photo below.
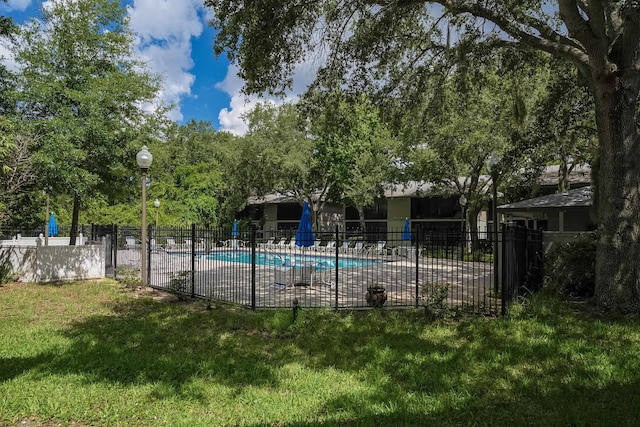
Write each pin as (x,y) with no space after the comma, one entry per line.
(31,261)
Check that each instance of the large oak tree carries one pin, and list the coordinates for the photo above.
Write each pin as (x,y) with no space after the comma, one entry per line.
(266,38)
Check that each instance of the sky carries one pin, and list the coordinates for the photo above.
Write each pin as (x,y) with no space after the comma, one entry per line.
(173,37)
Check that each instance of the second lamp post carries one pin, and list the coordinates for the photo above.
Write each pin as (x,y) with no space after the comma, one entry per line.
(144,159)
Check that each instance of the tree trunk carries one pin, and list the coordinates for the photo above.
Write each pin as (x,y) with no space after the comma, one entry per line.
(472,219)
(617,195)
(563,176)
(362,222)
(74,221)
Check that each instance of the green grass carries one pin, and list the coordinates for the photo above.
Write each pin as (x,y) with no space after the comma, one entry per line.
(92,354)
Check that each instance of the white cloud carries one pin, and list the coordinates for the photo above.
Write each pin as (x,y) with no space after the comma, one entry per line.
(164,29)
(20,5)
(231,119)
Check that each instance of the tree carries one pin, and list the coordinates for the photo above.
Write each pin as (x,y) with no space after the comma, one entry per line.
(353,146)
(601,38)
(84,93)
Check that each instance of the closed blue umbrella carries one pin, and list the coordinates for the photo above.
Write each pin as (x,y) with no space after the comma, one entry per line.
(53,225)
(234,230)
(304,235)
(406,231)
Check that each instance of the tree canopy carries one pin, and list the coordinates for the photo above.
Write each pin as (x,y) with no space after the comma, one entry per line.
(82,92)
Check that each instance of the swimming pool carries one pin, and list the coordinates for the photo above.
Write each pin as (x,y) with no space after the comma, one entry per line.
(276,259)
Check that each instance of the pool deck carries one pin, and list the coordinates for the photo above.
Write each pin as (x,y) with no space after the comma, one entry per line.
(469,284)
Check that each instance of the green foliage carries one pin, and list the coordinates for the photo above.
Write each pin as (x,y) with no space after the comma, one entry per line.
(434,300)
(179,284)
(83,93)
(570,267)
(128,277)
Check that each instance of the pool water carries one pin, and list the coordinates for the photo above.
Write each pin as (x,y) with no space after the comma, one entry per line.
(277,259)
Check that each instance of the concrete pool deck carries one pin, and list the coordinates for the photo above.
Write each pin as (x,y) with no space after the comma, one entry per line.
(470,284)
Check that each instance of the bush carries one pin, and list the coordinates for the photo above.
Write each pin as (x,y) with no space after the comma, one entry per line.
(434,299)
(570,267)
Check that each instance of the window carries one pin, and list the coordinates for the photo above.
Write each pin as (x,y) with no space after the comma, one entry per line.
(435,207)
(289,211)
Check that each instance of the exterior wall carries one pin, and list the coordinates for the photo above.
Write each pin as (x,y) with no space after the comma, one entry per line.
(568,220)
(52,263)
(398,209)
(271,217)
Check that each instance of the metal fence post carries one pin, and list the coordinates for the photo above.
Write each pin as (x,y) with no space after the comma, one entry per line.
(193,260)
(503,309)
(149,229)
(114,248)
(418,268)
(337,259)
(253,267)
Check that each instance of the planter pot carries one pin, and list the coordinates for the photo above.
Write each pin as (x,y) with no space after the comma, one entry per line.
(376,297)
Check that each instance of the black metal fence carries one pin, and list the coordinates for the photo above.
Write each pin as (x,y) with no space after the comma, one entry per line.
(266,269)
(522,263)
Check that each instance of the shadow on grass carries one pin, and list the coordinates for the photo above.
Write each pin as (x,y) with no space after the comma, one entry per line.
(544,367)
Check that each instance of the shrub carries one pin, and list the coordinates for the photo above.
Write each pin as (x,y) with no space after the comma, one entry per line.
(434,299)
(570,267)
(128,277)
(179,284)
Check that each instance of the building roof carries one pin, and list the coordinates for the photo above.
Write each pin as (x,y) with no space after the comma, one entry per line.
(271,198)
(579,197)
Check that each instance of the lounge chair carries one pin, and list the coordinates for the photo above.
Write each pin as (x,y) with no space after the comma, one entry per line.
(290,273)
(330,246)
(358,248)
(130,242)
(292,243)
(268,244)
(316,245)
(171,243)
(378,249)
(345,246)
(281,243)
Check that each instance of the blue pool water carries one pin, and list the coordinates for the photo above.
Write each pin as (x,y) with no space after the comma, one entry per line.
(276,259)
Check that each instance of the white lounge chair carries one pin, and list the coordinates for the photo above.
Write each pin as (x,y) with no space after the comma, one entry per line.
(281,243)
(171,243)
(130,242)
(358,248)
(329,247)
(345,246)
(268,244)
(379,248)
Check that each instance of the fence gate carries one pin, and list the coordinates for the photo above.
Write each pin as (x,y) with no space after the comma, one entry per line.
(109,232)
(522,265)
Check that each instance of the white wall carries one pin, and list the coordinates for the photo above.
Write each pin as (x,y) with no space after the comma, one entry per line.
(52,263)
(18,240)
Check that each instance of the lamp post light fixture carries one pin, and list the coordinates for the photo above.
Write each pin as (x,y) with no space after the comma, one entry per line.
(144,159)
(492,162)
(156,203)
(463,222)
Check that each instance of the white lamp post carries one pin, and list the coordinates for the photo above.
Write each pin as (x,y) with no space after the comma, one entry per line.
(144,159)
(492,162)
(156,203)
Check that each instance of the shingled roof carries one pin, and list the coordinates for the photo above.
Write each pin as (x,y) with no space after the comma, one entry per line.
(577,198)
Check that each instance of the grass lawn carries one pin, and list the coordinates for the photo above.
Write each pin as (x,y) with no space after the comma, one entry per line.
(91,353)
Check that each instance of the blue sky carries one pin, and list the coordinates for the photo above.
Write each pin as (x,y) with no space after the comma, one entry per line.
(174,39)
